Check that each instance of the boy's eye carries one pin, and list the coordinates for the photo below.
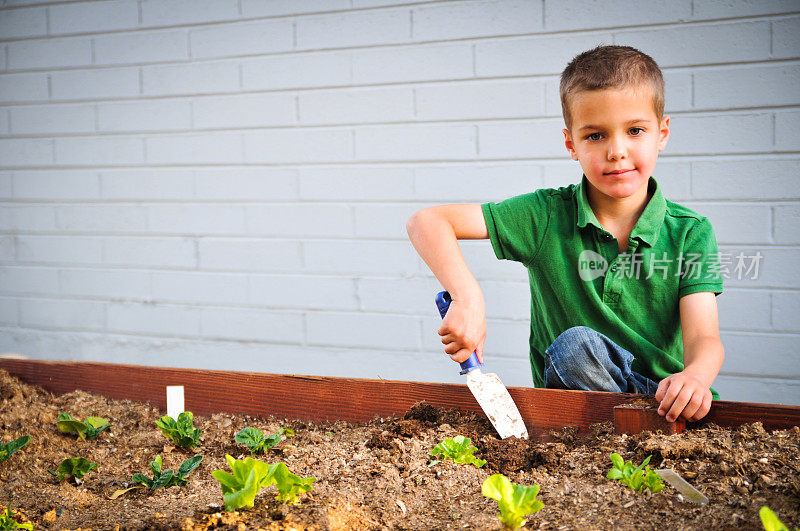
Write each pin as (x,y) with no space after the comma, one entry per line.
(594,137)
(635,131)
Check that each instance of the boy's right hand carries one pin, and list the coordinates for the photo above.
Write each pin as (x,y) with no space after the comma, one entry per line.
(463,329)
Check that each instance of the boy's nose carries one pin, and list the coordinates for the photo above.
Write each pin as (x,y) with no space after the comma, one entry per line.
(616,151)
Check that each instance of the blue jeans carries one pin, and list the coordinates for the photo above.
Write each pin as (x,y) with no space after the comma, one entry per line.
(584,359)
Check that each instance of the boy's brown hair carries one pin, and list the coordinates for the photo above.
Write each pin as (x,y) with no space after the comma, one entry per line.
(607,67)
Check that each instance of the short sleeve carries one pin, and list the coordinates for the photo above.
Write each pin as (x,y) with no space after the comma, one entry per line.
(700,261)
(517,225)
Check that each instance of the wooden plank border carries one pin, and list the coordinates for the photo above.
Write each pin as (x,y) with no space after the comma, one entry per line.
(318,398)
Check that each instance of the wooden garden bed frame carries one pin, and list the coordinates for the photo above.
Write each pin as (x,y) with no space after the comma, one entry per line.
(320,398)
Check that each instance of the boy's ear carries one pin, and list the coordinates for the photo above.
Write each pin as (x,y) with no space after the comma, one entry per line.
(663,133)
(568,143)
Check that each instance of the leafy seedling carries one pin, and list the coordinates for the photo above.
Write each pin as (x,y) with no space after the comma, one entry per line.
(770,520)
(168,478)
(459,449)
(88,429)
(181,431)
(638,478)
(288,484)
(10,447)
(515,501)
(9,521)
(258,442)
(76,467)
(240,487)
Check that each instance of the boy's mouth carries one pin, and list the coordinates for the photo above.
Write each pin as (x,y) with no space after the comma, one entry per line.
(618,172)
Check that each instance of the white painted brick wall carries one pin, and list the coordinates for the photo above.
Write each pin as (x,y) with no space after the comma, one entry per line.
(141,47)
(224,183)
(52,119)
(242,39)
(23,87)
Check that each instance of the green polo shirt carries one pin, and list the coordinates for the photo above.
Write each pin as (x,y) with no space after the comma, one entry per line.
(578,276)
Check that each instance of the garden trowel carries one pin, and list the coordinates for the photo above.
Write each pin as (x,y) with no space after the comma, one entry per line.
(488,390)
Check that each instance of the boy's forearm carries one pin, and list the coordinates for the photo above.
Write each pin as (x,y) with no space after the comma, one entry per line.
(703,358)
(435,240)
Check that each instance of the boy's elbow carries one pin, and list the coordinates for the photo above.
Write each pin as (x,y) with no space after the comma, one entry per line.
(416,221)
(411,224)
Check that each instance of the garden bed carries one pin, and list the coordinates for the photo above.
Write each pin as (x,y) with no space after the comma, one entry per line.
(375,474)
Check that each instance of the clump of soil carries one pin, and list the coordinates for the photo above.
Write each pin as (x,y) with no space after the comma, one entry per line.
(375,475)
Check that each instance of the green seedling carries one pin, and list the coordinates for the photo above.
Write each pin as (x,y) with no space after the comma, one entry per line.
(88,429)
(289,485)
(9,521)
(76,467)
(514,501)
(168,478)
(459,449)
(240,487)
(638,478)
(181,431)
(258,442)
(770,520)
(7,449)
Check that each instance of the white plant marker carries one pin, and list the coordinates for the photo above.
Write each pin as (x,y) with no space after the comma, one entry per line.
(174,400)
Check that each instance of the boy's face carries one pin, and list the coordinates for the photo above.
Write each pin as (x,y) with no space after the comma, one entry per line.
(616,136)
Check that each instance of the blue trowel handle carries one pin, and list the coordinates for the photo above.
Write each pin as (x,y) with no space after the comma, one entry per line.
(443,301)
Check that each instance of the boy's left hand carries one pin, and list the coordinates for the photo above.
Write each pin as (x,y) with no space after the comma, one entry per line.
(683,395)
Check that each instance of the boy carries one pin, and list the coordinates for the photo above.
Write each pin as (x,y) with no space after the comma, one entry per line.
(623,282)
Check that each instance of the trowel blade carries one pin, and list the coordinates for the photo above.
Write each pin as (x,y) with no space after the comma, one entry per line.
(682,486)
(496,402)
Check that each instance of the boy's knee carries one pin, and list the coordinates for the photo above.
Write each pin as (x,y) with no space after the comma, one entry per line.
(575,338)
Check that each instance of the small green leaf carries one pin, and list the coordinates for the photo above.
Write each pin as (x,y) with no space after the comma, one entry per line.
(288,484)
(188,466)
(74,466)
(514,501)
(88,429)
(770,520)
(67,424)
(141,478)
(249,476)
(252,437)
(8,449)
(163,480)
(237,494)
(182,432)
(240,487)
(258,442)
(653,482)
(9,521)
(155,465)
(96,422)
(168,478)
(637,478)
(459,449)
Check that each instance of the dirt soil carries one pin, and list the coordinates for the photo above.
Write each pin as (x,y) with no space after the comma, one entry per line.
(375,475)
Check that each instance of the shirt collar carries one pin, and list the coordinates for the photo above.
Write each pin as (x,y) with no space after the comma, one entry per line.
(649,223)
